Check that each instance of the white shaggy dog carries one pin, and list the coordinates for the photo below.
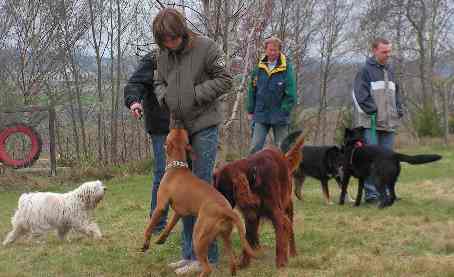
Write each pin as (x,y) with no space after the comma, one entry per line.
(39,212)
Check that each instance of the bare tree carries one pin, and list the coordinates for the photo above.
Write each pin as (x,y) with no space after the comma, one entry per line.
(97,34)
(34,31)
(334,17)
(73,25)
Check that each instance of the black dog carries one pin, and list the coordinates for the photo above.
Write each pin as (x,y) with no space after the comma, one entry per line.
(382,164)
(319,162)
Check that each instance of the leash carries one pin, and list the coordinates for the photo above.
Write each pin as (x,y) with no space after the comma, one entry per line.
(373,129)
(176,164)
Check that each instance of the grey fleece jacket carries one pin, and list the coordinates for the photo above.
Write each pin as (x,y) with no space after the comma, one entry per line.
(375,90)
(190,81)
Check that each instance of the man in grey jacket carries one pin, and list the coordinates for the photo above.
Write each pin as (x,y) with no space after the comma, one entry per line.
(376,93)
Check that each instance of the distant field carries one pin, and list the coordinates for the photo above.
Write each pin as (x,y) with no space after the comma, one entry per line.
(415,237)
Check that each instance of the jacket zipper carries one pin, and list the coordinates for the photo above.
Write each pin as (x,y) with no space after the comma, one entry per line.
(179,97)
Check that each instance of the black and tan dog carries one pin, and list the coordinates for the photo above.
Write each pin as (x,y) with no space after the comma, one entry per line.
(320,162)
(383,165)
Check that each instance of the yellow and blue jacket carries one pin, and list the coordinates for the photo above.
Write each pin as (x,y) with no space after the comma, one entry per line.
(272,93)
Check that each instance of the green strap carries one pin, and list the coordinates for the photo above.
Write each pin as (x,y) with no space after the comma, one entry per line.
(373,129)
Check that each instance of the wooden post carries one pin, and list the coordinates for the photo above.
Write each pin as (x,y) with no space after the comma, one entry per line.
(53,157)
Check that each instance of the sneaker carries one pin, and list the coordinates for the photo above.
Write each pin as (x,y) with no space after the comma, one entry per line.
(192,267)
(179,264)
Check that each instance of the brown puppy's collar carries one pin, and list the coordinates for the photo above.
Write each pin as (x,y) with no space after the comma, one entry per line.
(176,164)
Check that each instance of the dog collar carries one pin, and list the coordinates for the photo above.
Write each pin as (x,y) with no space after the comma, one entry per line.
(177,164)
(359,144)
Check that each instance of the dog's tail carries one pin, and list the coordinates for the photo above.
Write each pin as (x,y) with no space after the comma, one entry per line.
(289,140)
(240,227)
(293,154)
(418,159)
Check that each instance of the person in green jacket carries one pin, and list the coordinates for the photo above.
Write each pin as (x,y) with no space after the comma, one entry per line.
(271,95)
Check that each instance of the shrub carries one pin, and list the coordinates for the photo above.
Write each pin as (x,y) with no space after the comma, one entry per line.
(451,124)
(428,123)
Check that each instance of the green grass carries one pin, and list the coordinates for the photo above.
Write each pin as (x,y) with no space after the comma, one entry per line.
(415,237)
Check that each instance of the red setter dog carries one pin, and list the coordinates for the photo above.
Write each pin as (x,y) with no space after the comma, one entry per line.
(260,186)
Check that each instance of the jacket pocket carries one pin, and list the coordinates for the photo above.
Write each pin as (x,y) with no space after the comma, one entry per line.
(394,120)
(280,87)
(382,109)
(187,100)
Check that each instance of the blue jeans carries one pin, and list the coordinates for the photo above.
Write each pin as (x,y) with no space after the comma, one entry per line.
(386,140)
(159,166)
(204,145)
(260,131)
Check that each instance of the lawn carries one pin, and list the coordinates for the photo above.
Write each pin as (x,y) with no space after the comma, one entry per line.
(415,237)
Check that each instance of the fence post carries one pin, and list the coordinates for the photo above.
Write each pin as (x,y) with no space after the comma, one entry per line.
(53,157)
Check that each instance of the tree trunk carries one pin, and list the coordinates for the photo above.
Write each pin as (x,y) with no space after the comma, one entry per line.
(113,116)
(73,118)
(118,79)
(444,89)
(80,112)
(100,106)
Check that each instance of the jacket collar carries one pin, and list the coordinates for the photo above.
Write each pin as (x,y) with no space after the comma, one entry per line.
(281,65)
(373,61)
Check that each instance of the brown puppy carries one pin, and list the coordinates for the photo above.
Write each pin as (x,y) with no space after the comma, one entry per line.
(260,186)
(189,195)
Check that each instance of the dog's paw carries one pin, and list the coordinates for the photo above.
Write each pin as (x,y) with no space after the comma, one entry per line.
(145,247)
(160,240)
(245,260)
(299,195)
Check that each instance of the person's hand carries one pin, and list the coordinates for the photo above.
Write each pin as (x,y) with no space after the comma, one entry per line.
(250,116)
(136,110)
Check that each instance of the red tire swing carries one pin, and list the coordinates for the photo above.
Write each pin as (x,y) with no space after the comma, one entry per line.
(33,153)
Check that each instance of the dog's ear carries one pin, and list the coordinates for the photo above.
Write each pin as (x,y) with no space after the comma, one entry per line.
(215,178)
(242,191)
(333,156)
(358,133)
(353,134)
(347,134)
(190,152)
(253,177)
(225,185)
(167,147)
(333,152)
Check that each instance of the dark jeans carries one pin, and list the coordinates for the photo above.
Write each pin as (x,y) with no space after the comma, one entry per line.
(159,166)
(386,140)
(204,145)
